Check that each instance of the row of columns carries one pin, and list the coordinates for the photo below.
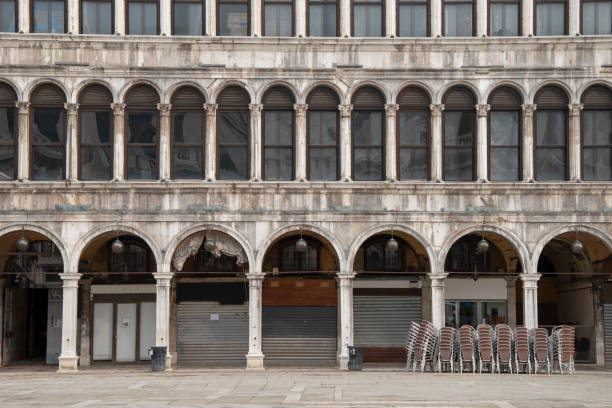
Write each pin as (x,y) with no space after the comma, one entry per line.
(436,19)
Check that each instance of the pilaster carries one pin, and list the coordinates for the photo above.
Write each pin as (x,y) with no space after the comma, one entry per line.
(511,300)
(345,18)
(162,315)
(73,13)
(530,299)
(482,112)
(255,357)
(345,142)
(72,142)
(118,141)
(165,170)
(574,17)
(345,281)
(438,298)
(85,354)
(391,142)
(256,13)
(120,26)
(527,147)
(211,18)
(165,14)
(24,16)
(481,18)
(391,18)
(256,141)
(436,18)
(68,359)
(527,29)
(300,18)
(574,142)
(300,141)
(436,142)
(23,140)
(211,141)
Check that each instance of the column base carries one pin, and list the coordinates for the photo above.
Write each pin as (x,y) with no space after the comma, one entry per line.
(343,362)
(68,364)
(168,362)
(255,361)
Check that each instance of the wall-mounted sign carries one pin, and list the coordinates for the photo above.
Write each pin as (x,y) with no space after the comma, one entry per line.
(214,316)
(125,323)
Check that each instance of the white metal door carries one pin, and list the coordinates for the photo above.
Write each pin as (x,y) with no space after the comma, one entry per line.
(103,331)
(147,329)
(126,332)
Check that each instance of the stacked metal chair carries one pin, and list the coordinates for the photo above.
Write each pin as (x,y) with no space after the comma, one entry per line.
(503,351)
(413,331)
(446,349)
(522,349)
(562,348)
(425,345)
(467,340)
(539,349)
(486,341)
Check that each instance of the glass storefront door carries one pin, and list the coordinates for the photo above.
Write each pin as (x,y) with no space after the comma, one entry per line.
(475,312)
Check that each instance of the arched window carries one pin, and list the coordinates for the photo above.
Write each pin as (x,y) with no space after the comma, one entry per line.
(8,133)
(233,18)
(368,134)
(95,133)
(323,18)
(597,133)
(278,18)
(378,258)
(133,258)
(8,16)
(233,158)
(459,18)
(48,133)
(188,17)
(596,17)
(188,133)
(551,129)
(413,18)
(412,128)
(278,134)
(459,136)
(293,260)
(504,18)
(504,135)
(48,16)
(368,18)
(142,133)
(142,17)
(550,17)
(323,134)
(97,16)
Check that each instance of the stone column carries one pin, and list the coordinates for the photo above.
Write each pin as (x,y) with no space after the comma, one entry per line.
(436,142)
(256,13)
(68,359)
(300,141)
(391,18)
(481,143)
(438,297)
(574,17)
(173,323)
(391,141)
(118,141)
(73,13)
(23,10)
(72,142)
(211,18)
(120,28)
(481,18)
(23,141)
(425,298)
(574,142)
(345,280)
(598,323)
(346,172)
(2,283)
(527,147)
(211,141)
(300,18)
(255,357)
(256,136)
(436,18)
(162,315)
(345,18)
(530,299)
(511,300)
(527,28)
(85,353)
(165,154)
(165,14)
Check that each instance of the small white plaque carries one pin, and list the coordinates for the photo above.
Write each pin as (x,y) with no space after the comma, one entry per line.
(214,316)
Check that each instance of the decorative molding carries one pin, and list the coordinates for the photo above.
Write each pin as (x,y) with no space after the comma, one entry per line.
(187,248)
(224,244)
(436,110)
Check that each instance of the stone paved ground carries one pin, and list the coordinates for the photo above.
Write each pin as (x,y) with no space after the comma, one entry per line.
(310,388)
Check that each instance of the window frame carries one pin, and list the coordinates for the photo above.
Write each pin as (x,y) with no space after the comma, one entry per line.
(127,15)
(381,3)
(81,19)
(535,135)
(173,145)
(237,108)
(264,146)
(586,107)
(490,3)
(474,135)
(277,2)
(581,12)
(535,16)
(126,125)
(17,7)
(323,3)
(95,108)
(399,146)
(497,108)
(32,2)
(383,146)
(172,17)
(474,16)
(218,15)
(7,104)
(308,147)
(398,3)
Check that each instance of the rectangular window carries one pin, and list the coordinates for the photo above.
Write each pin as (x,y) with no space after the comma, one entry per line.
(97,17)
(504,145)
(188,17)
(233,145)
(458,18)
(143,17)
(550,18)
(322,18)
(8,16)
(368,128)
(597,17)
(48,16)
(95,135)
(551,142)
(413,142)
(49,144)
(368,18)
(141,152)
(278,18)
(596,144)
(187,149)
(504,18)
(459,145)
(8,140)
(412,18)
(323,145)
(233,18)
(278,145)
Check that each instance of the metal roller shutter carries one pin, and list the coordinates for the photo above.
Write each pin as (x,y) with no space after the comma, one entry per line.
(608,333)
(212,334)
(299,335)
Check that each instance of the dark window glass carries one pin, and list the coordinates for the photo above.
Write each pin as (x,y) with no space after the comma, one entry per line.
(96,144)
(597,17)
(551,139)
(458,18)
(293,260)
(278,18)
(233,145)
(188,141)
(413,145)
(550,18)
(7,143)
(504,19)
(132,259)
(142,18)
(8,16)
(459,145)
(188,17)
(368,18)
(504,145)
(207,262)
(463,257)
(142,135)
(378,259)
(322,18)
(597,144)
(278,145)
(368,131)
(49,144)
(323,145)
(412,18)
(96,17)
(233,16)
(48,16)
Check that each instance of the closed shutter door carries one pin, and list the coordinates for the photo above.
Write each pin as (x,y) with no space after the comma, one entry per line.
(381,324)
(212,334)
(299,335)
(608,333)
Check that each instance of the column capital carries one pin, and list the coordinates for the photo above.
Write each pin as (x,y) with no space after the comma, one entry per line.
(530,280)
(575,108)
(482,110)
(345,275)
(255,108)
(300,109)
(391,108)
(72,108)
(22,106)
(255,279)
(211,109)
(345,110)
(436,109)
(510,279)
(437,279)
(118,108)
(528,109)
(164,109)
(163,278)
(70,280)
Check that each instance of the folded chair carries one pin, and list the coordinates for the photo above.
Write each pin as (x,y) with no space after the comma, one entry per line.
(424,346)
(503,349)
(413,331)
(522,354)
(539,349)
(446,349)
(486,354)
(467,347)
(562,344)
